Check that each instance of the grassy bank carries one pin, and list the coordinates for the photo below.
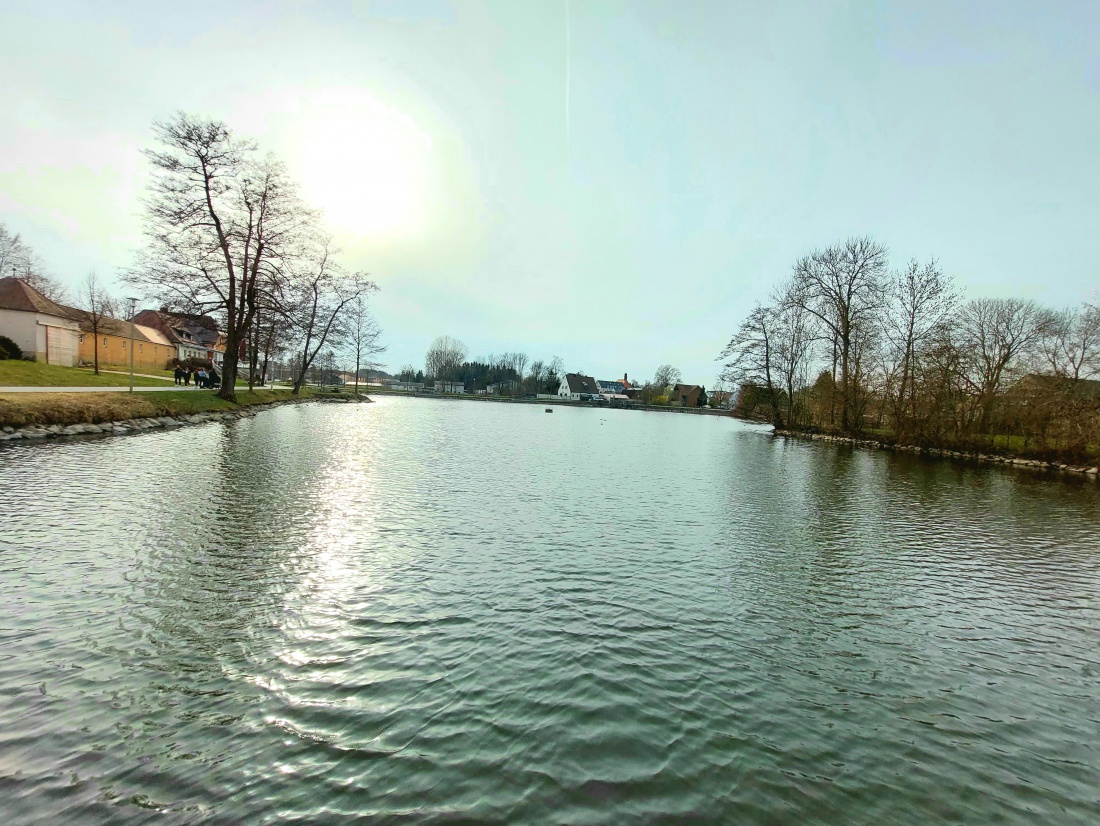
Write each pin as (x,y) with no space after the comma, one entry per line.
(35,374)
(18,410)
(1002,446)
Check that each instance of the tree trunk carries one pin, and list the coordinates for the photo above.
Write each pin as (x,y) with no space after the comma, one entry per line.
(228,389)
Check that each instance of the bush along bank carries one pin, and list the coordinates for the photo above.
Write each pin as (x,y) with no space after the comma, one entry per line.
(1004,459)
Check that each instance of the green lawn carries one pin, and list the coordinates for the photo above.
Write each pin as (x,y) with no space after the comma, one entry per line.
(34,374)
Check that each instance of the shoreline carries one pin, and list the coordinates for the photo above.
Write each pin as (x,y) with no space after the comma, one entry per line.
(557,402)
(941,453)
(87,420)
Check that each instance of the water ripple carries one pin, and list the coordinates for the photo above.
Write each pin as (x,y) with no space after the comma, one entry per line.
(374,612)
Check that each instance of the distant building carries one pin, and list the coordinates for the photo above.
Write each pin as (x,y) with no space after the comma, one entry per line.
(44,330)
(152,349)
(193,336)
(574,385)
(688,395)
(404,386)
(611,387)
(450,387)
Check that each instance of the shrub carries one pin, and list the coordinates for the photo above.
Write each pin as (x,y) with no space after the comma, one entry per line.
(9,349)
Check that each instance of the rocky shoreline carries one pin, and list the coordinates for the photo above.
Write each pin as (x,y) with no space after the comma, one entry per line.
(121,427)
(944,453)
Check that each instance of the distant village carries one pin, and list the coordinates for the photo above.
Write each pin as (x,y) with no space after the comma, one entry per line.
(577,387)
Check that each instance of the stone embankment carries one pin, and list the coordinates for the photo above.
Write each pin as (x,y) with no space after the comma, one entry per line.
(41,431)
(942,452)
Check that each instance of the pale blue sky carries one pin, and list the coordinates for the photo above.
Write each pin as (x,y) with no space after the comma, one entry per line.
(709,145)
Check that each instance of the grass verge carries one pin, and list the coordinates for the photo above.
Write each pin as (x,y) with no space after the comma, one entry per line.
(20,409)
(34,374)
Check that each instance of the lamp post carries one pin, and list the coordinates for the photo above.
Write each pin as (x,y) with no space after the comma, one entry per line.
(133,307)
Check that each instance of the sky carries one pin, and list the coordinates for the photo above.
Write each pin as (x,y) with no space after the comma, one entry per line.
(614,183)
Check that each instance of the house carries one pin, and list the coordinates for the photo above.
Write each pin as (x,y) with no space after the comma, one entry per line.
(450,387)
(611,387)
(193,336)
(44,330)
(404,386)
(574,385)
(152,349)
(688,395)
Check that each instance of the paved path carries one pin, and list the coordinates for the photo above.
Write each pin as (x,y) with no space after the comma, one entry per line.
(143,375)
(122,389)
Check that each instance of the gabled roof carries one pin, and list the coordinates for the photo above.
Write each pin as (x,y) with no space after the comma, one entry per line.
(118,327)
(685,389)
(17,294)
(581,384)
(153,335)
(184,328)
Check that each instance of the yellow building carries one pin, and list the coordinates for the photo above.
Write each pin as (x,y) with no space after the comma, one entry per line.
(152,350)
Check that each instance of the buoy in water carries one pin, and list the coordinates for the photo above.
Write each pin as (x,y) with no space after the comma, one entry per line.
(549,410)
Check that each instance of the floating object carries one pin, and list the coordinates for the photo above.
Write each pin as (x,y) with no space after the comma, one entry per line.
(549,410)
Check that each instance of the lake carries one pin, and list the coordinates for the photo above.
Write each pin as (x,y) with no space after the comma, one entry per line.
(428,611)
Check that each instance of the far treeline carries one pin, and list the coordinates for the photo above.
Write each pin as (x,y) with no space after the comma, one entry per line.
(514,374)
(849,345)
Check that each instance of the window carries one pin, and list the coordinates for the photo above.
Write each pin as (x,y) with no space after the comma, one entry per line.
(105,341)
(141,347)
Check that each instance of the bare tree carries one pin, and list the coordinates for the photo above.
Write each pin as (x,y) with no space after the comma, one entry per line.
(666,376)
(794,339)
(19,260)
(98,307)
(1071,344)
(752,357)
(842,287)
(921,301)
(221,223)
(364,336)
(323,293)
(12,252)
(555,371)
(994,335)
(445,355)
(536,377)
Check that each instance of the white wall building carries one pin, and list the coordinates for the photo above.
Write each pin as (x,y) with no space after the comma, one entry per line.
(43,330)
(574,385)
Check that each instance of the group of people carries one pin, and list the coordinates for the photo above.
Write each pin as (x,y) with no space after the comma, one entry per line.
(203,376)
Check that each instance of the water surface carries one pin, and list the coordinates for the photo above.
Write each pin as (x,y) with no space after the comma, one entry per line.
(426,611)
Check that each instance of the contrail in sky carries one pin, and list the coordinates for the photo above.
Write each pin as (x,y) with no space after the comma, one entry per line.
(568,34)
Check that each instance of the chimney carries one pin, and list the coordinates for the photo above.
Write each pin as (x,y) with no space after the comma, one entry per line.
(624,378)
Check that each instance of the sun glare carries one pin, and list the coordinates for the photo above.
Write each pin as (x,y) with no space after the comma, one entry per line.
(365,164)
